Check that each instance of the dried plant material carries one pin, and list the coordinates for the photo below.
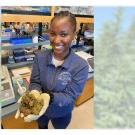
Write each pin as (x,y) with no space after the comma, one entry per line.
(30,105)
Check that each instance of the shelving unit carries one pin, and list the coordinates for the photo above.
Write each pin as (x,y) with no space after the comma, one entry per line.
(25,17)
(29,16)
(6,17)
(12,46)
(20,64)
(25,63)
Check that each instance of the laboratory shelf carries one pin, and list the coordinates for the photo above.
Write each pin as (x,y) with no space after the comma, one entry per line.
(20,64)
(13,46)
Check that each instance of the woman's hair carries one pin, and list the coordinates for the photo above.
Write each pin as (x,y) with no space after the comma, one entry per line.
(67,14)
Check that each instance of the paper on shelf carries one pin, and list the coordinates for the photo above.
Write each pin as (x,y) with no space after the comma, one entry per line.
(84,55)
(23,71)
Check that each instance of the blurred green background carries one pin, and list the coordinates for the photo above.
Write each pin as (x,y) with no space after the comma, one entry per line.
(114,105)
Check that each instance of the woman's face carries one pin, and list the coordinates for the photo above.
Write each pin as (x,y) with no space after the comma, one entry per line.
(61,36)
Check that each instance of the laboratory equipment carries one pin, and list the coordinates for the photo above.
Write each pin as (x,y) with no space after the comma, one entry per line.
(7,95)
(89,58)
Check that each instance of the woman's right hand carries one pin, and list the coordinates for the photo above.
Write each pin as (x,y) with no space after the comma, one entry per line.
(18,114)
(46,99)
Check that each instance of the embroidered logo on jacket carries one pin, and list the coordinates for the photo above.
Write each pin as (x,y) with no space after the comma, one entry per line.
(65,77)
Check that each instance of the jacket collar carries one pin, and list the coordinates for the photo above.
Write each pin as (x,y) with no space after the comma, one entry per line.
(67,60)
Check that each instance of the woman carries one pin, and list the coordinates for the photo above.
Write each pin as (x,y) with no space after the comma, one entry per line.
(60,73)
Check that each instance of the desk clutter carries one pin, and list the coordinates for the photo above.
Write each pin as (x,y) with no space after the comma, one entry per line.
(21,79)
(21,55)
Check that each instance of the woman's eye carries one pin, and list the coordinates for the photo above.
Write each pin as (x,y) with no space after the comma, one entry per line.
(63,35)
(52,34)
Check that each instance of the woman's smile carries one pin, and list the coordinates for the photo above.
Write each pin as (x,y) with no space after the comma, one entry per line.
(58,48)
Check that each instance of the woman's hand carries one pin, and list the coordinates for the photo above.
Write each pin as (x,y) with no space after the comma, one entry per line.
(46,99)
(18,114)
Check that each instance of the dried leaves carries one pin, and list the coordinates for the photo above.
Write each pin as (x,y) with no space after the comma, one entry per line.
(30,105)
